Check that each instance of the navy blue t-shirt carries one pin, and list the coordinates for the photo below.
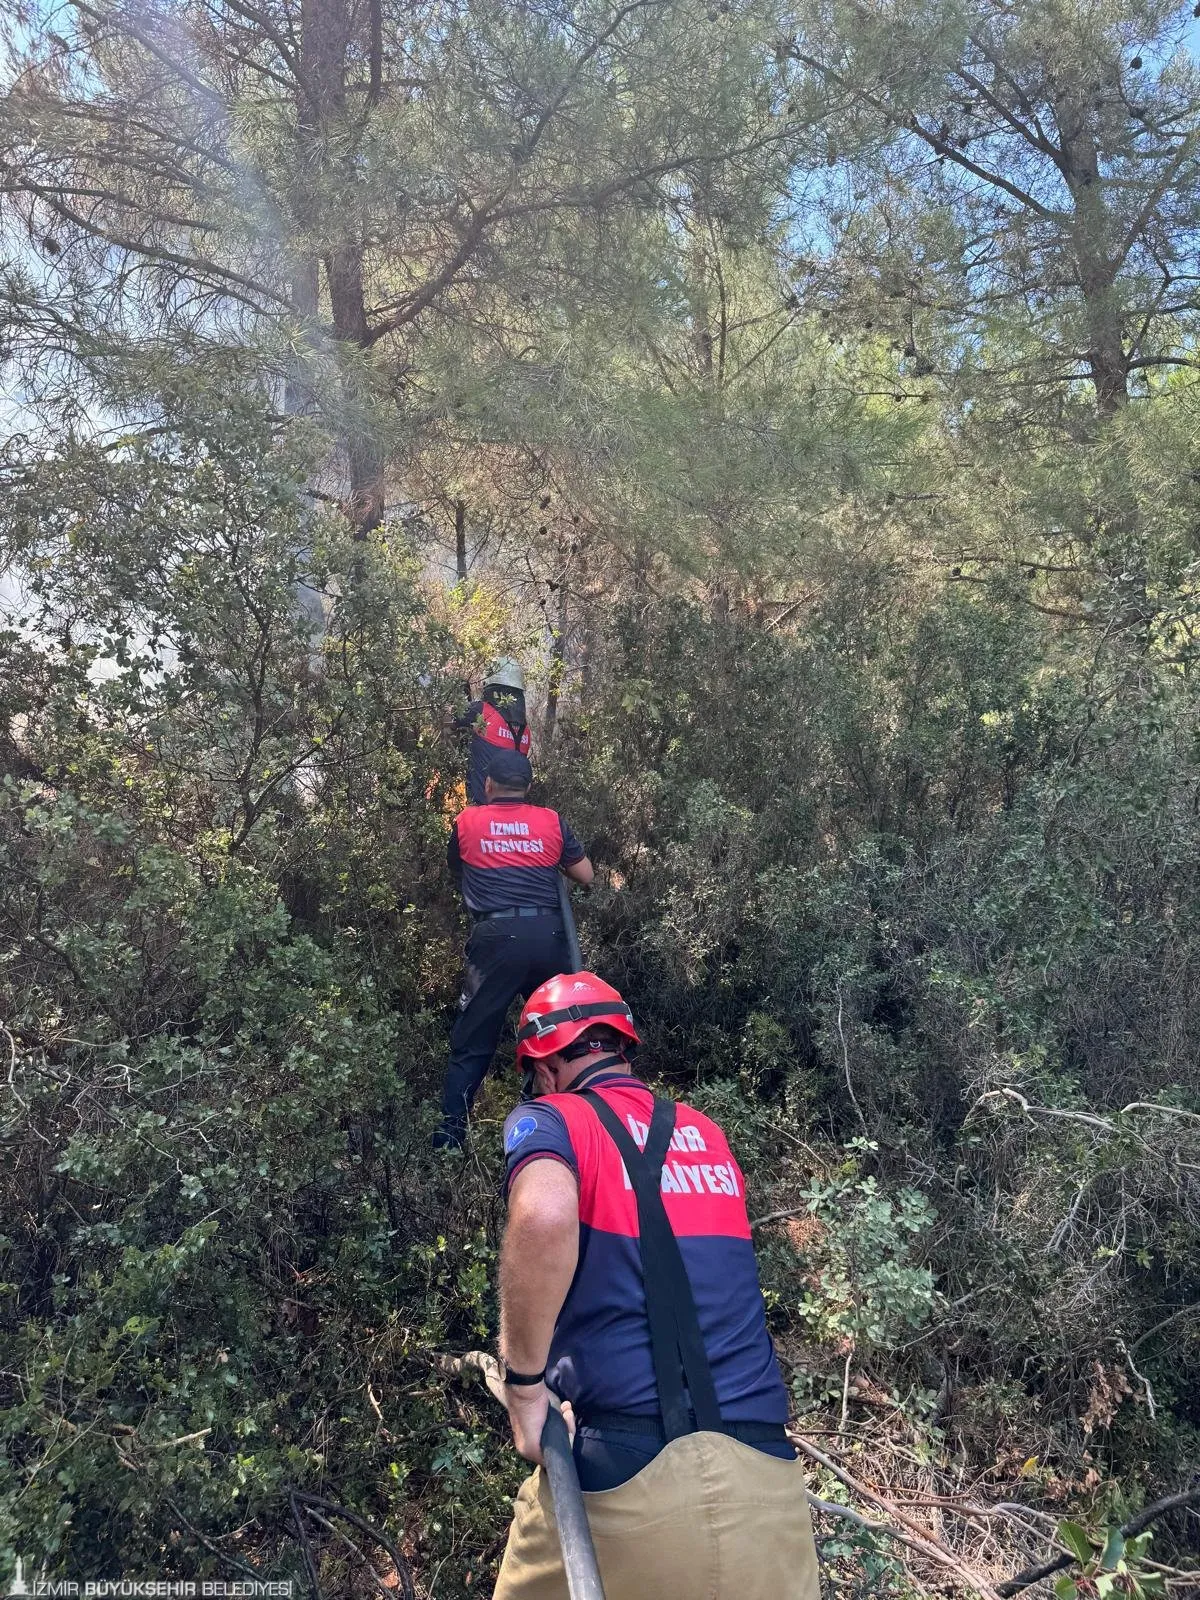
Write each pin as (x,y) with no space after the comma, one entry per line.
(600,1356)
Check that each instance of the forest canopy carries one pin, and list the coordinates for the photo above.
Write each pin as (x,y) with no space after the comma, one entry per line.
(806,394)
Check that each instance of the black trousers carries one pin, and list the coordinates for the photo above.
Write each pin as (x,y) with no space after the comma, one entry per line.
(506,957)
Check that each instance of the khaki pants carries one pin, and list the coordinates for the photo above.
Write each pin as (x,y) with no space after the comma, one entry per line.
(708,1519)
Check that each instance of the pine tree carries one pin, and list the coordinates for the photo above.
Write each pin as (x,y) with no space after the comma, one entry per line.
(1014,187)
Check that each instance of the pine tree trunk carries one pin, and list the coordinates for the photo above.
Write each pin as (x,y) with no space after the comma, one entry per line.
(460,540)
(558,653)
(325,37)
(1095,263)
(343,268)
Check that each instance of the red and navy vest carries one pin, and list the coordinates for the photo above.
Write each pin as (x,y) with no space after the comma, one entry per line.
(510,853)
(491,733)
(601,1356)
(496,731)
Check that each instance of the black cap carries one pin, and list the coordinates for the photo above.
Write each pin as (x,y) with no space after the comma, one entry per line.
(510,769)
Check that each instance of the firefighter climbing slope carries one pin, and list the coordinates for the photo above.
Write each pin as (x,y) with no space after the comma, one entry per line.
(628,1285)
(506,855)
(497,722)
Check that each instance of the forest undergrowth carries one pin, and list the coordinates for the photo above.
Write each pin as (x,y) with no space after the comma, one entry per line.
(899,896)
(816,416)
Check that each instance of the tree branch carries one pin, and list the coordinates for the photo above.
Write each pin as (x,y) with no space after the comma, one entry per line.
(1158,190)
(912,123)
(287,52)
(1184,1311)
(1037,138)
(197,266)
(127,26)
(915,1535)
(1130,1530)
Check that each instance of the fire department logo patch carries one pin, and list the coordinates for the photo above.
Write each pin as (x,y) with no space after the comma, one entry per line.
(519,1132)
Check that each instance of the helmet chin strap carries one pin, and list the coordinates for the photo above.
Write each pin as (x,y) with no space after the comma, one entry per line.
(529,1076)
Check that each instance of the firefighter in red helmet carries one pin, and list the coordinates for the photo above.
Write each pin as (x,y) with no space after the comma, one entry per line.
(628,1286)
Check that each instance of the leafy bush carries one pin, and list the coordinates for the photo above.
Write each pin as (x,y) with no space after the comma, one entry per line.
(906,896)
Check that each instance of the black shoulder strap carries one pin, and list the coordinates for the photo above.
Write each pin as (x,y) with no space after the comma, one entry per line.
(676,1341)
(515,719)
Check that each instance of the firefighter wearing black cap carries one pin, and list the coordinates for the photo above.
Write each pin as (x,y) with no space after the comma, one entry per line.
(506,855)
(497,722)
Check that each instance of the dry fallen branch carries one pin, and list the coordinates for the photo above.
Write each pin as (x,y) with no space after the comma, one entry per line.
(830,1508)
(1153,1105)
(1106,1124)
(1031,1110)
(301,1503)
(184,1438)
(1184,1311)
(1141,1378)
(780,1216)
(909,1532)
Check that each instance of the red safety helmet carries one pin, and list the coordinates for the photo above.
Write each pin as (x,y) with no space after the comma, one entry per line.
(562,1008)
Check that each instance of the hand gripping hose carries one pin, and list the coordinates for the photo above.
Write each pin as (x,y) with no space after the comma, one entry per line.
(578,1552)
